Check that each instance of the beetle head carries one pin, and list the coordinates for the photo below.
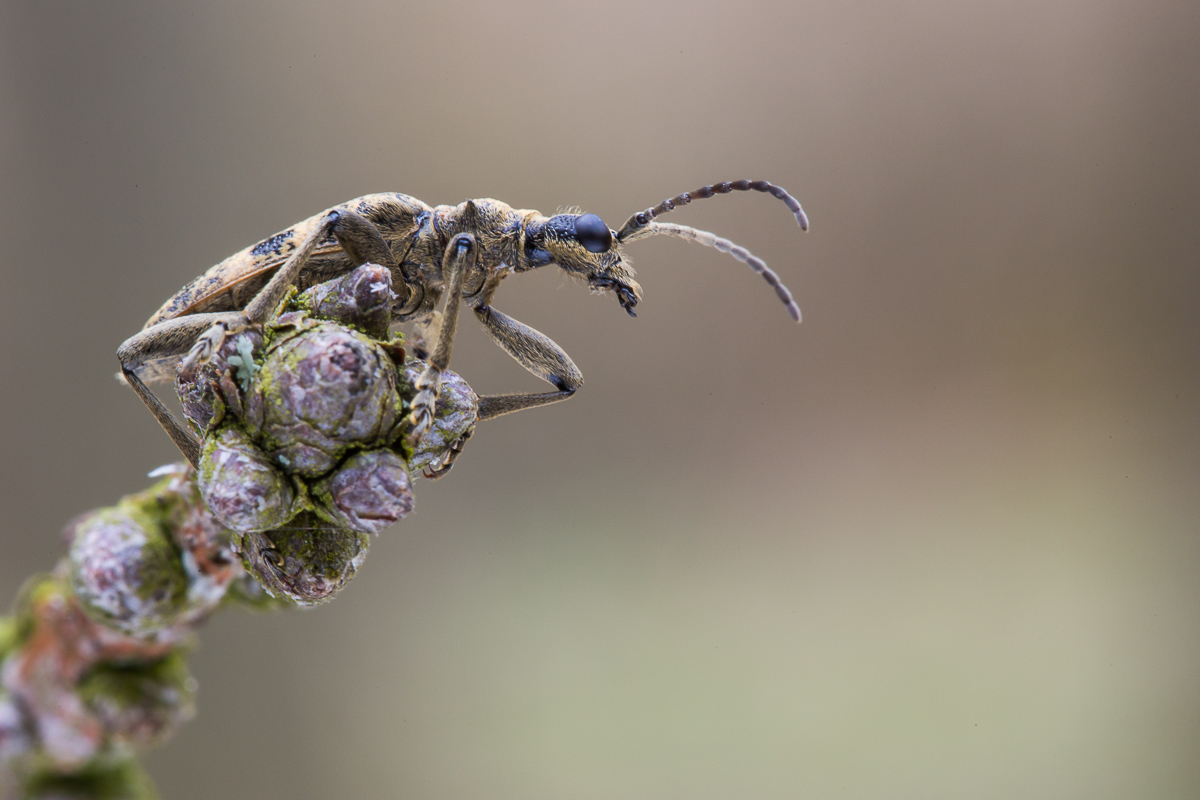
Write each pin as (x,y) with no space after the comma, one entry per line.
(582,245)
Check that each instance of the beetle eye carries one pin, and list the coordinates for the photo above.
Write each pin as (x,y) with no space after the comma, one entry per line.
(592,233)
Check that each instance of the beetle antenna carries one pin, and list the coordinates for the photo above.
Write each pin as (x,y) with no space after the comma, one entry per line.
(725,246)
(644,218)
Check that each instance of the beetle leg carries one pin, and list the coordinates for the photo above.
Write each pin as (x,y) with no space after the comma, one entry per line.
(497,405)
(536,352)
(187,442)
(205,345)
(457,260)
(364,244)
(152,352)
(266,303)
(433,473)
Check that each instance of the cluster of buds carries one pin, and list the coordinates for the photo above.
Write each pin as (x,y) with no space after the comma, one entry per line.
(305,450)
(305,456)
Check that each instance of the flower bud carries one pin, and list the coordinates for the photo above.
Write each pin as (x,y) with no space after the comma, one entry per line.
(368,492)
(14,738)
(208,388)
(240,485)
(126,571)
(362,299)
(325,390)
(457,410)
(307,562)
(141,704)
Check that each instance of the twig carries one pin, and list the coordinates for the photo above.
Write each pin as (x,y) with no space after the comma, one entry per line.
(304,457)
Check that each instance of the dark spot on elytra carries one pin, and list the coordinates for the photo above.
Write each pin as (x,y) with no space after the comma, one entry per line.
(273,245)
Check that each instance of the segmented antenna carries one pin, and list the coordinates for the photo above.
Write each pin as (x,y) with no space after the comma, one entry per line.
(725,246)
(644,218)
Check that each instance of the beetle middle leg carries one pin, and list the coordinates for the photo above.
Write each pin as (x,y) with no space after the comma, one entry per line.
(150,351)
(533,350)
(537,353)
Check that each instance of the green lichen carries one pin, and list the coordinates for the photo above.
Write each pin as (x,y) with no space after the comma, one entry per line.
(307,562)
(9,636)
(160,504)
(37,590)
(102,779)
(140,703)
(163,579)
(126,568)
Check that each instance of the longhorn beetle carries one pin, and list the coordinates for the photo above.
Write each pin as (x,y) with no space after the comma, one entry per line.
(461,251)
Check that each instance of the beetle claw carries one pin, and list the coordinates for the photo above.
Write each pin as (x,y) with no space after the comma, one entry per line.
(204,347)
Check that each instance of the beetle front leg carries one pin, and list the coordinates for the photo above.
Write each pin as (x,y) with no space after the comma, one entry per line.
(536,352)
(153,351)
(148,352)
(457,260)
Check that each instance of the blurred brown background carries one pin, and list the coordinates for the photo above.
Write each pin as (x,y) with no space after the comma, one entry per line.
(940,540)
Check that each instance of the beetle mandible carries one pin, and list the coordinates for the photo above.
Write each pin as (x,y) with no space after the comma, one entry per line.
(461,251)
